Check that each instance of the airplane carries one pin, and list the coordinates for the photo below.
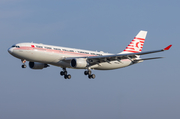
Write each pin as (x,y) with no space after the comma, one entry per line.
(41,56)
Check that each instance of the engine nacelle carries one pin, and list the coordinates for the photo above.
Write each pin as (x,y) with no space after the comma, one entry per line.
(79,63)
(37,65)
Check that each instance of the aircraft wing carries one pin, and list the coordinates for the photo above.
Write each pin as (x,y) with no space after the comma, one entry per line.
(107,58)
(92,60)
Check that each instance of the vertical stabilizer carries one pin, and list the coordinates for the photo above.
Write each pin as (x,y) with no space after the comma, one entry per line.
(136,44)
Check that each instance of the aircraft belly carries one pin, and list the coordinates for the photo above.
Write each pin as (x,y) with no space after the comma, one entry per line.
(113,65)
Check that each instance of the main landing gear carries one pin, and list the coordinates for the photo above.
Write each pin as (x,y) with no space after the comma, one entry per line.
(64,73)
(68,76)
(24,65)
(89,74)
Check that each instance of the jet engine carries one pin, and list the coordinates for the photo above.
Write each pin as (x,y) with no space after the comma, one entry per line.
(37,65)
(79,63)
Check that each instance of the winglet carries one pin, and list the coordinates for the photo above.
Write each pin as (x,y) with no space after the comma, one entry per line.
(168,47)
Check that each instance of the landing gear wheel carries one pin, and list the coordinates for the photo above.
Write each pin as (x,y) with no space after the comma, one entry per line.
(93,76)
(85,72)
(89,76)
(89,72)
(61,73)
(65,72)
(65,77)
(23,66)
(69,76)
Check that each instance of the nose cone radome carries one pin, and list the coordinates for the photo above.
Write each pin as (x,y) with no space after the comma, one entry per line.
(10,50)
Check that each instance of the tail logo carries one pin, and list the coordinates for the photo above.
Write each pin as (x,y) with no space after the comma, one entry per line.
(138,46)
(135,46)
(137,43)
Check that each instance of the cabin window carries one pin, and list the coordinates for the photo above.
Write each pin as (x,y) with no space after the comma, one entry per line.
(39,46)
(86,52)
(48,47)
(57,49)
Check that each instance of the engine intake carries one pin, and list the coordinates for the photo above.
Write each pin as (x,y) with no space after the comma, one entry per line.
(37,65)
(79,63)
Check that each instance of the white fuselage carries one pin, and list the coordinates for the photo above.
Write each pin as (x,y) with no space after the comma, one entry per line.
(55,55)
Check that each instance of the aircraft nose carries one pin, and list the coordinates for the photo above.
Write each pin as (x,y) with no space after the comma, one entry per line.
(10,50)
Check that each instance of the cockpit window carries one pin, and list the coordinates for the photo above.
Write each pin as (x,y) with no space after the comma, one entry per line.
(16,46)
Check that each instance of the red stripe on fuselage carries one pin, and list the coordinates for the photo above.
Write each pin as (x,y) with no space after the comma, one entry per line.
(53,51)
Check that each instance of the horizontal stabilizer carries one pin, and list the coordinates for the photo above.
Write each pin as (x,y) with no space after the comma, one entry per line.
(149,58)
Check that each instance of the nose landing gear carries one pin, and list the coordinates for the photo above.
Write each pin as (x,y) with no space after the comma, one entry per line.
(24,65)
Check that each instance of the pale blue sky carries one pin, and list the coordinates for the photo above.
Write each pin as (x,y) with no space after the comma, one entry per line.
(149,90)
